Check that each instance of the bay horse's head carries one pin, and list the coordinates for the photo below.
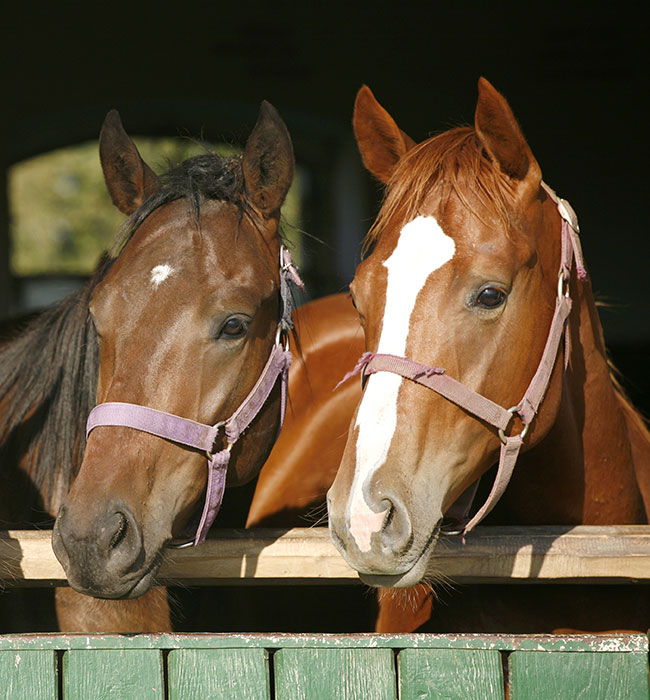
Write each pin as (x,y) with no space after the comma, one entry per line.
(461,280)
(187,317)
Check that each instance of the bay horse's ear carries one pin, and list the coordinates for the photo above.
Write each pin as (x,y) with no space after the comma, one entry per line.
(128,178)
(501,137)
(268,162)
(381,142)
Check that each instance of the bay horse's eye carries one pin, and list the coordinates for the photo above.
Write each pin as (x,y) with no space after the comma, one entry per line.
(490,298)
(234,327)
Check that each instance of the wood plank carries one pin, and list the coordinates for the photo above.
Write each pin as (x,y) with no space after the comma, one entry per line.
(28,675)
(218,674)
(335,674)
(581,643)
(561,675)
(113,674)
(450,674)
(586,554)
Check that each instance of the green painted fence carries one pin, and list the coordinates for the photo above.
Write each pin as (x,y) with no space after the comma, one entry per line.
(323,667)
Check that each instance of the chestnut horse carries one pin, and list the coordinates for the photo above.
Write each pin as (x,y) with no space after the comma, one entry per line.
(462,274)
(187,318)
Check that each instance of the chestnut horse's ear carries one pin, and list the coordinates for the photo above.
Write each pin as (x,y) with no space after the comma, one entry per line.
(501,137)
(381,142)
(128,178)
(268,162)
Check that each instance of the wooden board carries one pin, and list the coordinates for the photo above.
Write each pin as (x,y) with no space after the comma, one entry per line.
(579,643)
(561,675)
(335,674)
(113,674)
(306,555)
(298,667)
(218,674)
(450,674)
(28,675)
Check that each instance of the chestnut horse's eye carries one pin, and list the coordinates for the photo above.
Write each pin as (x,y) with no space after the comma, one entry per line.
(490,298)
(234,327)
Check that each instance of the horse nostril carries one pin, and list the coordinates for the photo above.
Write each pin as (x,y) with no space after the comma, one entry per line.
(396,532)
(120,532)
(390,515)
(122,540)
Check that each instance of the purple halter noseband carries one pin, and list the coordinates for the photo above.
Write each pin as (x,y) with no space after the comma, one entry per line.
(435,378)
(206,437)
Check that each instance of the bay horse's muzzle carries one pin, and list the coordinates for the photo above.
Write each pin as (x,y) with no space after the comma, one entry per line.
(103,556)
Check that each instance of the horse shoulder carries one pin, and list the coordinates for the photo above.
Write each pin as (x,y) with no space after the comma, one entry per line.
(307,454)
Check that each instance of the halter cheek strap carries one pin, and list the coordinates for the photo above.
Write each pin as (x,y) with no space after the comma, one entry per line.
(436,379)
(206,438)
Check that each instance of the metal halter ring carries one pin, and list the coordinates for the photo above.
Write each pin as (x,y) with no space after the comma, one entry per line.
(562,286)
(524,432)
(451,527)
(214,449)
(284,266)
(282,336)
(228,447)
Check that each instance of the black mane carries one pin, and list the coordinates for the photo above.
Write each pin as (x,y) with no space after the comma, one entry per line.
(48,370)
(196,179)
(48,380)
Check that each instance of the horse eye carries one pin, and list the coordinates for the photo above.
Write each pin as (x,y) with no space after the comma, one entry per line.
(490,298)
(234,328)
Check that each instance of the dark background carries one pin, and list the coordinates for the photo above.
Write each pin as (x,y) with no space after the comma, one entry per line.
(575,73)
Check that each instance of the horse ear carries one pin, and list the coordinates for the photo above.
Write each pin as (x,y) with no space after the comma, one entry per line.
(501,137)
(381,142)
(128,178)
(268,162)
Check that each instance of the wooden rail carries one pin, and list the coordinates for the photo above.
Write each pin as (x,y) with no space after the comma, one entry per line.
(582,554)
(336,667)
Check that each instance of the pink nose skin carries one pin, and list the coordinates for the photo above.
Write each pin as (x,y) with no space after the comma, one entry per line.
(363,523)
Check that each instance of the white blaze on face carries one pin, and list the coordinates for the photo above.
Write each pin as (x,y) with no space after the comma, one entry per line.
(160,273)
(422,248)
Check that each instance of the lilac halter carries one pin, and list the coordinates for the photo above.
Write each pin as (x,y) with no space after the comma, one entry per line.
(483,408)
(206,437)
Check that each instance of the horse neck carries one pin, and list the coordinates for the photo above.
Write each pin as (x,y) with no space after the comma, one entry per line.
(583,470)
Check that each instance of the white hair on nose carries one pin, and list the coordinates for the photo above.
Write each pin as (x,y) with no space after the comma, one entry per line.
(422,248)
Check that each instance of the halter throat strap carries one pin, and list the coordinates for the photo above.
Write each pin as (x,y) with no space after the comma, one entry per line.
(436,379)
(208,438)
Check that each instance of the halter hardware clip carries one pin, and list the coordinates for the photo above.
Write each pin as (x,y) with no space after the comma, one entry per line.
(514,410)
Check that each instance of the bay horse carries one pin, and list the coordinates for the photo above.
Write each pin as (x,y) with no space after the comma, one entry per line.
(461,282)
(187,318)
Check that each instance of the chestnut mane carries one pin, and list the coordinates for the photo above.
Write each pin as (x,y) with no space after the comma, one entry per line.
(454,162)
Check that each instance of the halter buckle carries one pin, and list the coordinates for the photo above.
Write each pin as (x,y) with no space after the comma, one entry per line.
(512,411)
(568,214)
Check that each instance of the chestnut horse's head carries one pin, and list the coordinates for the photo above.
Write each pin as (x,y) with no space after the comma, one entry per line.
(462,275)
(187,316)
